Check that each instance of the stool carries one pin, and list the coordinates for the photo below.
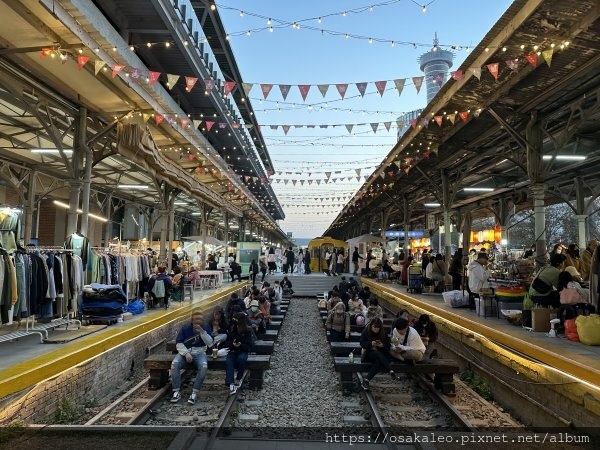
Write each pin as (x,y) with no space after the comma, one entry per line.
(188,292)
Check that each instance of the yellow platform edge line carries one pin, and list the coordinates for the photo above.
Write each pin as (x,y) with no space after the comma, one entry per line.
(571,367)
(32,371)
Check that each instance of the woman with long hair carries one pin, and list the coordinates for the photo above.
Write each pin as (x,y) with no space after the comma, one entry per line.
(376,343)
(239,340)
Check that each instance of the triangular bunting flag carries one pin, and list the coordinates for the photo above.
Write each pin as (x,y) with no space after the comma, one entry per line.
(184,121)
(209,125)
(349,127)
(380,85)
(424,122)
(294,182)
(400,85)
(190,83)
(98,65)
(374,126)
(493,68)
(273,127)
(172,80)
(247,87)
(196,123)
(399,123)
(82,61)
(318,182)
(266,88)
(302,182)
(286,128)
(477,72)
(286,181)
(547,55)
(153,77)
(116,69)
(438,120)
(358,178)
(158,119)
(452,118)
(304,88)
(464,115)
(285,89)
(228,86)
(46,52)
(532,59)
(418,82)
(357,171)
(413,123)
(209,85)
(145,117)
(191,157)
(136,73)
(512,64)
(327,174)
(387,125)
(235,125)
(362,87)
(342,88)
(438,79)
(457,74)
(323,88)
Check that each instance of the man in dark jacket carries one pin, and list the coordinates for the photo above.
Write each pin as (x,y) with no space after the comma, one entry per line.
(290,258)
(355,258)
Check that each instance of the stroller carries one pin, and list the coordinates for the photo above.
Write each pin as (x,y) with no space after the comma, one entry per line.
(415,280)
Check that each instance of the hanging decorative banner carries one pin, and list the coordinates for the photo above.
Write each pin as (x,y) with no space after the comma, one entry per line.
(342,88)
(413,123)
(424,122)
(153,77)
(400,123)
(380,85)
(190,82)
(286,128)
(82,60)
(172,80)
(438,120)
(349,127)
(426,154)
(400,85)
(547,55)
(387,125)
(209,85)
(136,74)
(209,125)
(184,121)
(222,125)
(438,79)
(191,157)
(196,123)
(247,87)
(235,125)
(452,118)
(294,182)
(199,169)
(304,88)
(116,69)
(464,115)
(418,81)
(512,64)
(323,88)
(362,87)
(46,52)
(285,89)
(477,72)
(374,127)
(158,119)
(357,172)
(532,59)
(457,74)
(98,65)
(266,88)
(493,68)
(228,87)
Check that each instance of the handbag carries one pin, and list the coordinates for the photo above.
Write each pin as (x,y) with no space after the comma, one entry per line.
(540,286)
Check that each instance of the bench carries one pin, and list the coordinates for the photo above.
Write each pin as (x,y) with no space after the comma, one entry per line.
(344,348)
(443,370)
(260,347)
(354,336)
(159,365)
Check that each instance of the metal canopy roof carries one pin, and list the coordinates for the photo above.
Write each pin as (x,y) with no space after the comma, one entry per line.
(489,149)
(38,94)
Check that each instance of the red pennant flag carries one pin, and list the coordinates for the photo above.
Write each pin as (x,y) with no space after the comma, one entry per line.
(199,169)
(426,154)
(493,68)
(342,88)
(362,87)
(418,81)
(380,85)
(153,76)
(304,88)
(158,119)
(532,59)
(82,61)
(464,115)
(209,125)
(228,86)
(46,52)
(190,82)
(116,69)
(457,74)
(191,157)
(184,121)
(266,88)
(438,120)
(413,123)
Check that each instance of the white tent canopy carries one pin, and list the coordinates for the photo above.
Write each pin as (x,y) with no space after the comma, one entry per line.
(209,240)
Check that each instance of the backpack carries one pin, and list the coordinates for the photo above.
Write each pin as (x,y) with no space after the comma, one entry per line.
(159,289)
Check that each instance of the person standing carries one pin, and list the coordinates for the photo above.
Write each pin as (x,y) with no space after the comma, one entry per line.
(191,343)
(271,261)
(328,256)
(197,259)
(253,271)
(307,262)
(290,257)
(262,266)
(300,262)
(355,258)
(340,262)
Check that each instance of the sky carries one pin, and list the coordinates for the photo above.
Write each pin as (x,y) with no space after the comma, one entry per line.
(318,169)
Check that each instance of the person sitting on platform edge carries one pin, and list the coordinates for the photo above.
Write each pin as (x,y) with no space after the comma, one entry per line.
(191,343)
(542,290)
(376,343)
(239,340)
(406,342)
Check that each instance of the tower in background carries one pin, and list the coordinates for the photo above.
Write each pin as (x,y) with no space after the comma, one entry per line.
(436,64)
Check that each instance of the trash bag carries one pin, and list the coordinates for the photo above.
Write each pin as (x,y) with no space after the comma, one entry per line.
(135,307)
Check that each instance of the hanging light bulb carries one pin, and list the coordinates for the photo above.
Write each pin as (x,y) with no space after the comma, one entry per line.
(424,8)
(269,21)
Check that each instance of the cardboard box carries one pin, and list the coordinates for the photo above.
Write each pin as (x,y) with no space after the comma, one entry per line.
(540,319)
